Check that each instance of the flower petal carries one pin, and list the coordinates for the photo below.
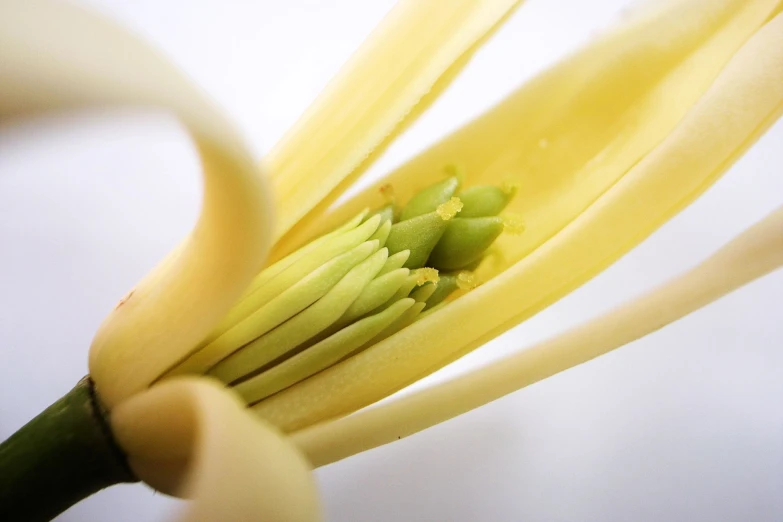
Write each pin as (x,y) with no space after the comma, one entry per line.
(193,438)
(56,56)
(756,252)
(739,106)
(570,134)
(416,51)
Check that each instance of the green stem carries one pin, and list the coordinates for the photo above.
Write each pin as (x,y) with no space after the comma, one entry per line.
(62,456)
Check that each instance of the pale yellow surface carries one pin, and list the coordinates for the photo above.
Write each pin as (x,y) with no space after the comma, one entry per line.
(54,56)
(187,436)
(235,467)
(603,152)
(570,133)
(611,183)
(190,436)
(409,58)
(756,252)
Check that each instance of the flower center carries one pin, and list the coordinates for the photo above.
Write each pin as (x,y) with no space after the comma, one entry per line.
(352,288)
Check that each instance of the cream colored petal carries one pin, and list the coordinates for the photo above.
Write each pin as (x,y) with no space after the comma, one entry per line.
(740,105)
(193,438)
(418,43)
(756,252)
(56,56)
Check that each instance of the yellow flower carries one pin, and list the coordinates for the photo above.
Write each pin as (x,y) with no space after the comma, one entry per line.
(604,148)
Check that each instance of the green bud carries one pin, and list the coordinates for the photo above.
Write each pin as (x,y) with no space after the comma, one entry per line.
(464,241)
(483,201)
(419,235)
(428,199)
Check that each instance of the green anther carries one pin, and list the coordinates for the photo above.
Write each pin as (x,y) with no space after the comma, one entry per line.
(377,292)
(386,213)
(424,292)
(326,251)
(447,283)
(293,333)
(281,308)
(404,320)
(419,235)
(483,201)
(321,355)
(273,270)
(428,199)
(464,241)
(382,234)
(394,262)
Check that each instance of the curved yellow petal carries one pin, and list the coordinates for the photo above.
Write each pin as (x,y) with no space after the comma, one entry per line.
(754,253)
(193,438)
(56,56)
(739,106)
(567,136)
(416,45)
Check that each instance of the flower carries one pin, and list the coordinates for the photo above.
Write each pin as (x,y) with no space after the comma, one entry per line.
(618,165)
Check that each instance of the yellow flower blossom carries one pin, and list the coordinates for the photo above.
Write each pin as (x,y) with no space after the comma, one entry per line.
(598,152)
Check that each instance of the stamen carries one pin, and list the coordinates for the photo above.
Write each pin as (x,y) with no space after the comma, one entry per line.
(466,280)
(424,292)
(355,286)
(457,171)
(426,275)
(387,191)
(751,255)
(449,209)
(513,224)
(510,187)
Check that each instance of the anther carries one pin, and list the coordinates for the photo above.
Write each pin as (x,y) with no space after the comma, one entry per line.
(449,209)
(513,224)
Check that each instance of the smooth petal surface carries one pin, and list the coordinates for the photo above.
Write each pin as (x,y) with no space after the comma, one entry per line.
(568,135)
(636,191)
(234,466)
(415,51)
(756,252)
(56,56)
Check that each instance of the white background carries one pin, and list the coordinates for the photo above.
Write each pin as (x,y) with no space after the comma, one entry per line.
(683,425)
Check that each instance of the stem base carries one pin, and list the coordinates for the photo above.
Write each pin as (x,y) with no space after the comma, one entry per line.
(62,456)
